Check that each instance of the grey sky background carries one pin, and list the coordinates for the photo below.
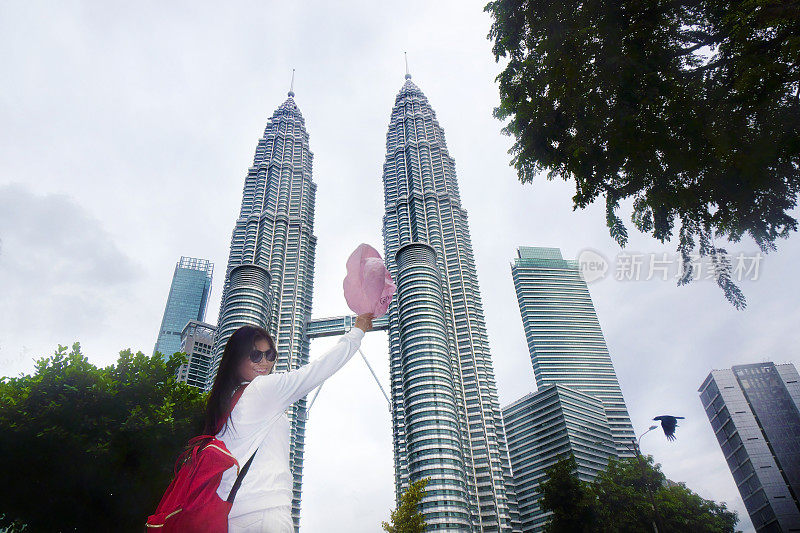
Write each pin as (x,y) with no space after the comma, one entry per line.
(126,136)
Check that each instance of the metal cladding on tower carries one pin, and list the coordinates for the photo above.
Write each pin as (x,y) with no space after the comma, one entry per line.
(446,420)
(428,380)
(270,275)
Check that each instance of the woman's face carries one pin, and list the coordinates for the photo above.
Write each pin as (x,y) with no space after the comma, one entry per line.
(250,370)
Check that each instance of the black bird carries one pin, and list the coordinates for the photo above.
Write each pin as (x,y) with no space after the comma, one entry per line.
(668,424)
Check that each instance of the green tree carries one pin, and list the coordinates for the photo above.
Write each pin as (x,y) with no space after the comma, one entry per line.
(619,501)
(623,494)
(691,108)
(623,491)
(92,449)
(407,518)
(568,498)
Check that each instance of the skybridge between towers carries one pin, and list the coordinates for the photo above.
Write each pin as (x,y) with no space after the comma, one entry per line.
(339,325)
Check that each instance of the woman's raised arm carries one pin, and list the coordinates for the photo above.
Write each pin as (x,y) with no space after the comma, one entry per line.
(281,390)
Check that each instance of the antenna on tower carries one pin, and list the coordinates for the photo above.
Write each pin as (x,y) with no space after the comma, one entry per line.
(408,76)
(291,87)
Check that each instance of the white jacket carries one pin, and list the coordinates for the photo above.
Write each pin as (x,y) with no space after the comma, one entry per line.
(259,421)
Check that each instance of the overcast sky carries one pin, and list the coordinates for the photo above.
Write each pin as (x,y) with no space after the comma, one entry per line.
(127,133)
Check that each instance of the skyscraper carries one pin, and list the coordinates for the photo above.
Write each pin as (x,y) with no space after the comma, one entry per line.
(187,300)
(564,337)
(542,428)
(197,339)
(270,274)
(446,418)
(754,411)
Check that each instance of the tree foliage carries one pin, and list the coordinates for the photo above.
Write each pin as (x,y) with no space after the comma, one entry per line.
(92,449)
(407,518)
(691,108)
(568,498)
(619,501)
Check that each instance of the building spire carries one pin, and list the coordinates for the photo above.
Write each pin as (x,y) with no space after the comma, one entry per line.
(291,87)
(408,76)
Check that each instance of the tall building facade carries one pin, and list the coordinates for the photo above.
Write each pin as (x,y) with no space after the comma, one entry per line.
(270,273)
(542,428)
(197,340)
(187,300)
(446,417)
(565,341)
(754,411)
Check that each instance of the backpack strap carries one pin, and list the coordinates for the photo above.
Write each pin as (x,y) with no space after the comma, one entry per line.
(243,471)
(239,478)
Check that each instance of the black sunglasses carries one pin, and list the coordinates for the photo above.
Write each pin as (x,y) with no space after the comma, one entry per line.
(256,355)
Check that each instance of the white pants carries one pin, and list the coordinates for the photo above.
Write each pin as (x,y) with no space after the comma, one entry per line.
(269,520)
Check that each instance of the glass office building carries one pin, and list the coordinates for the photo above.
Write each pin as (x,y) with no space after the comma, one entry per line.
(270,273)
(197,339)
(187,300)
(754,411)
(565,341)
(446,418)
(542,428)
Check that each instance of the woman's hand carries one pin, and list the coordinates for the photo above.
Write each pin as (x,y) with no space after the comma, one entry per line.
(364,322)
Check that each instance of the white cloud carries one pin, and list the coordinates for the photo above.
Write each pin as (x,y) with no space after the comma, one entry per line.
(63,274)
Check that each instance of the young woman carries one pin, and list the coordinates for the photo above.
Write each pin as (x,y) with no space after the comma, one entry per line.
(258,420)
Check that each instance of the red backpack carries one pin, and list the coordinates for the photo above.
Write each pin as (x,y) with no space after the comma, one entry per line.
(191,503)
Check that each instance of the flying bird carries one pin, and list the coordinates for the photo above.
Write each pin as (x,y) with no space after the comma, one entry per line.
(668,424)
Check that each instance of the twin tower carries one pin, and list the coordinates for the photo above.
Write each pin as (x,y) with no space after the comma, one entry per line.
(446,420)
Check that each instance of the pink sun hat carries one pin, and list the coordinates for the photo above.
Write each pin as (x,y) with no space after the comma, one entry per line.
(368,286)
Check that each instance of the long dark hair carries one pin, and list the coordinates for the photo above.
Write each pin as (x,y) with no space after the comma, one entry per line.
(238,347)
